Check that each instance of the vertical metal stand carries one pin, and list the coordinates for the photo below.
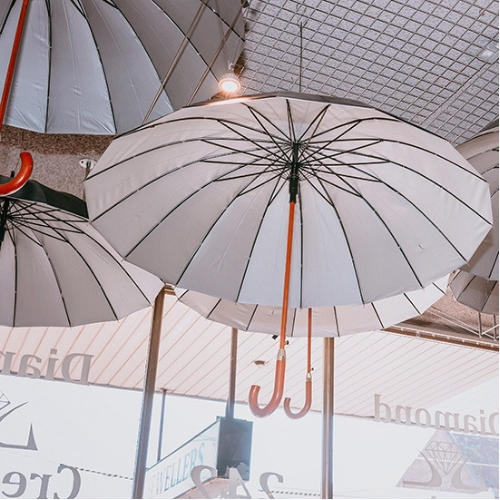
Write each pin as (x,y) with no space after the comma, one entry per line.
(328,397)
(232,374)
(148,394)
(162,423)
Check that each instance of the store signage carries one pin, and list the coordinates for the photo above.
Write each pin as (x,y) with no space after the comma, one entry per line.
(63,482)
(219,453)
(171,477)
(480,423)
(31,366)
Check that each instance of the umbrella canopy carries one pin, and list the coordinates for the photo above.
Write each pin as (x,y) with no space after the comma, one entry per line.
(57,270)
(200,198)
(475,292)
(326,321)
(482,152)
(97,66)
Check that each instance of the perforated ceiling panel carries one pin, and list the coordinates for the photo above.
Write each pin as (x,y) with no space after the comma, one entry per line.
(422,61)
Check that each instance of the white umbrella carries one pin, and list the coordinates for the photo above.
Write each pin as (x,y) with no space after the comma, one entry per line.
(482,152)
(475,292)
(376,207)
(200,198)
(333,321)
(98,66)
(318,322)
(57,270)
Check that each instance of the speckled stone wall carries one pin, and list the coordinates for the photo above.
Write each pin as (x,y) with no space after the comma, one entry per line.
(56,157)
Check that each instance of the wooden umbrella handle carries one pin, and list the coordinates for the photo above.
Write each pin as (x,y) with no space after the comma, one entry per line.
(22,176)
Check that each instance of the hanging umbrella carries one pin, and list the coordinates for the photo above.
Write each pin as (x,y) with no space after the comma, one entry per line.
(376,207)
(333,321)
(102,66)
(383,206)
(56,269)
(482,152)
(319,322)
(475,292)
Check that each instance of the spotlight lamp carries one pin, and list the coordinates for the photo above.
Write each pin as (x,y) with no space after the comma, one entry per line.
(229,83)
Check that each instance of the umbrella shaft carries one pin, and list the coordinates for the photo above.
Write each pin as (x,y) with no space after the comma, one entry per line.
(294,173)
(3,220)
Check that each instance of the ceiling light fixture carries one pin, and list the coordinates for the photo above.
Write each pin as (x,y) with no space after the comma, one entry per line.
(229,83)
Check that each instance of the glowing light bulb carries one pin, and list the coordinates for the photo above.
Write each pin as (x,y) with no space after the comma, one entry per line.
(229,83)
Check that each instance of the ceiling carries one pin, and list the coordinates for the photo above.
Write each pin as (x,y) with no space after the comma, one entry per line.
(419,60)
(422,62)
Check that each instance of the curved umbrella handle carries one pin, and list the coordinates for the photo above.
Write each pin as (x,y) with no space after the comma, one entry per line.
(307,404)
(308,393)
(22,176)
(279,384)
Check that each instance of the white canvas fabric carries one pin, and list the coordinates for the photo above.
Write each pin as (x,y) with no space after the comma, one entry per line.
(95,66)
(326,321)
(57,270)
(201,199)
(482,152)
(475,292)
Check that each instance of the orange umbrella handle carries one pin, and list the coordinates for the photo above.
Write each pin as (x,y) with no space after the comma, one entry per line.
(21,178)
(279,383)
(308,397)
(12,61)
(307,403)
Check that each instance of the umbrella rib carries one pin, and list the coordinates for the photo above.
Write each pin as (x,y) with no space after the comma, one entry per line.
(335,314)
(250,319)
(293,321)
(426,178)
(263,131)
(202,240)
(104,75)
(235,150)
(379,319)
(408,298)
(391,233)
(263,118)
(166,215)
(316,121)
(332,204)
(276,189)
(66,312)
(76,230)
(314,152)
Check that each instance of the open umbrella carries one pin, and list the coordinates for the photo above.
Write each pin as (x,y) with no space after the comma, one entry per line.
(102,66)
(482,152)
(304,201)
(333,321)
(319,322)
(56,269)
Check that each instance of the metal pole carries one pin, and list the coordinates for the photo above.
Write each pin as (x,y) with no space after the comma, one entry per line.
(232,374)
(148,394)
(162,422)
(328,396)
(214,57)
(177,56)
